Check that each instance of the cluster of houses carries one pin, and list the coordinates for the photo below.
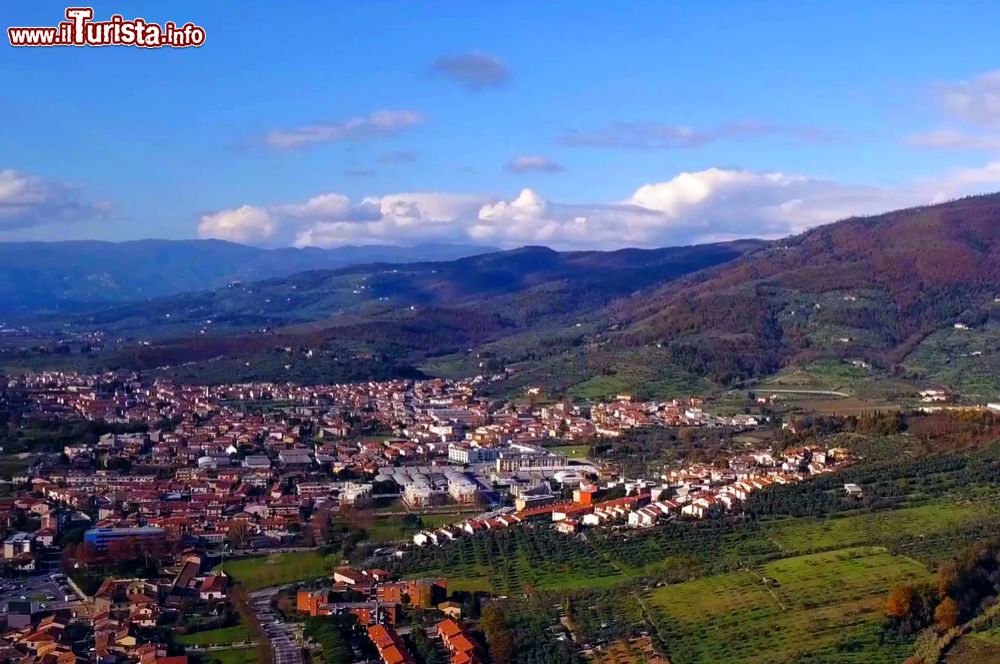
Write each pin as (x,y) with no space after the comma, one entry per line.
(117,616)
(611,419)
(375,600)
(697,492)
(461,646)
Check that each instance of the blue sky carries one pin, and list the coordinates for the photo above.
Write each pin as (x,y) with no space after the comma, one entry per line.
(506,123)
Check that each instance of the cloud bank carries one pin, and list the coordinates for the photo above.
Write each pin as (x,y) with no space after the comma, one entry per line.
(27,200)
(701,206)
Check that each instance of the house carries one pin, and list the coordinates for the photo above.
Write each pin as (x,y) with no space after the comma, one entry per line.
(703,506)
(450,609)
(213,588)
(351,577)
(644,517)
(459,642)
(853,490)
(568,526)
(390,646)
(425,537)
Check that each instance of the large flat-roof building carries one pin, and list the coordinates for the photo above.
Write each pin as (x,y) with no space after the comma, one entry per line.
(101,538)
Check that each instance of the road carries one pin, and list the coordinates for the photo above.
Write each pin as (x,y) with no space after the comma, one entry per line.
(827,393)
(284,641)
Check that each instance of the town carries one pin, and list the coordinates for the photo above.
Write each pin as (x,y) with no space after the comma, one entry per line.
(116,535)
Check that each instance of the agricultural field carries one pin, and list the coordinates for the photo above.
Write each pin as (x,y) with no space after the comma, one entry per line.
(507,562)
(843,406)
(964,360)
(859,389)
(698,545)
(224,635)
(810,534)
(256,572)
(627,651)
(820,607)
(827,374)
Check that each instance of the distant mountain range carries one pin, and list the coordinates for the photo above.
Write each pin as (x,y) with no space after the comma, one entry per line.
(911,294)
(40,276)
(518,287)
(392,317)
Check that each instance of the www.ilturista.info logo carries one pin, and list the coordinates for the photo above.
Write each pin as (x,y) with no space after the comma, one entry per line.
(79,29)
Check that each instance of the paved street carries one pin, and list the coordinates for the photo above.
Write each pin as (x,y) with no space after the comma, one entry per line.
(282,636)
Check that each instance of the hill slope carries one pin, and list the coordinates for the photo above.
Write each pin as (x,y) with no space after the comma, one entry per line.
(870,288)
(380,320)
(513,286)
(36,276)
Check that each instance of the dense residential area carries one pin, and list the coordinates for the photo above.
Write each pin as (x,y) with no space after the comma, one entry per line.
(399,521)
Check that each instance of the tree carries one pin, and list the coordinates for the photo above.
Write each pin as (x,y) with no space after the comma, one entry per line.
(239,534)
(498,634)
(946,615)
(424,647)
(900,602)
(333,635)
(947,576)
(320,522)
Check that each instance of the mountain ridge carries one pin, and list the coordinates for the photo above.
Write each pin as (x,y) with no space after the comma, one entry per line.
(37,276)
(898,276)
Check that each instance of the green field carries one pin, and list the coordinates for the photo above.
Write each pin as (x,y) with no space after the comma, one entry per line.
(821,607)
(803,535)
(256,572)
(866,389)
(236,634)
(467,578)
(232,656)
(390,528)
(570,451)
(599,388)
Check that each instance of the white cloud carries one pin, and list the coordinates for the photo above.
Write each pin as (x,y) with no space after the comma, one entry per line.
(325,207)
(28,200)
(702,206)
(965,181)
(972,109)
(243,224)
(533,163)
(976,101)
(955,139)
(374,125)
(396,219)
